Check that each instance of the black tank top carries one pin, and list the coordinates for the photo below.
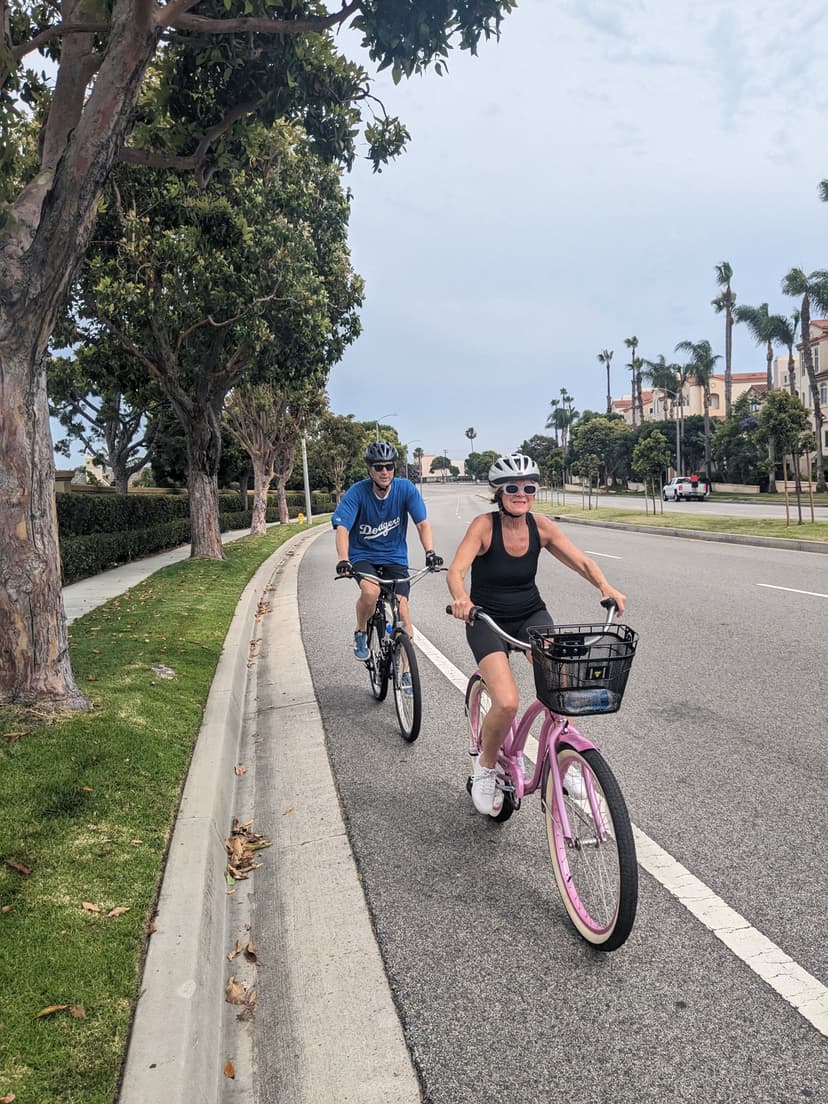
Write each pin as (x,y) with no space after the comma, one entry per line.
(502,584)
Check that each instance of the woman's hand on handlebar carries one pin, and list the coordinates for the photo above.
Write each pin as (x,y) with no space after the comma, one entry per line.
(461,607)
(617,597)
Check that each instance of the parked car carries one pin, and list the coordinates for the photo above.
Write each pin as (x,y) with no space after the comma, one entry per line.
(685,487)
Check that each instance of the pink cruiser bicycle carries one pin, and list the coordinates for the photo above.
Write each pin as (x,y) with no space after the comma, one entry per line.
(579,670)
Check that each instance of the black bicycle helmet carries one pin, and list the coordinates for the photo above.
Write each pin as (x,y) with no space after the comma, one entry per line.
(380,452)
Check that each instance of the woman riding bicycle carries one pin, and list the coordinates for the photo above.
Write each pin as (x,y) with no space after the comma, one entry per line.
(502,547)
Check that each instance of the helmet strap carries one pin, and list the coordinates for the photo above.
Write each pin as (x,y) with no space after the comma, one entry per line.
(503,509)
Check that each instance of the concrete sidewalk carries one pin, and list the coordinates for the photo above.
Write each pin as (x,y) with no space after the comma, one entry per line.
(324,1041)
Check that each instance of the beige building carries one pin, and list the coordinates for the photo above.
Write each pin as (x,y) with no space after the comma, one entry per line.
(802,387)
(661,405)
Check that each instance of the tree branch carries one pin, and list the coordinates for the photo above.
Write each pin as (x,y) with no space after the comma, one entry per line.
(59,29)
(194,162)
(201,23)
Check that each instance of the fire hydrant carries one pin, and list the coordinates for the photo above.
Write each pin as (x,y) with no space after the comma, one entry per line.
(300,518)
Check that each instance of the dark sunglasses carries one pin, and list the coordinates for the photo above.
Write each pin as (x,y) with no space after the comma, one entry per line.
(383,467)
(513,488)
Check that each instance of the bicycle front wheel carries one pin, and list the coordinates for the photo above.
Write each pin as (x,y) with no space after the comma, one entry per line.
(408,697)
(376,662)
(596,869)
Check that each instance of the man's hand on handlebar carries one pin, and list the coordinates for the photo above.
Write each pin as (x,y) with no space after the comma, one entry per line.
(432,560)
(344,568)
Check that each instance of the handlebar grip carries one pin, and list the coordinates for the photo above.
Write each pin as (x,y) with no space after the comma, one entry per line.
(473,612)
(609,603)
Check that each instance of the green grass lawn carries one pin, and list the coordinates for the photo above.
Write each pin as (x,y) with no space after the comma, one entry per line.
(87,805)
(710,523)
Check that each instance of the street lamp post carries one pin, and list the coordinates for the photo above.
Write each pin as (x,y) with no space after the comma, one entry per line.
(390,414)
(414,441)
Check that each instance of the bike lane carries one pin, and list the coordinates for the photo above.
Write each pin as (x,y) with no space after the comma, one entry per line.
(496,992)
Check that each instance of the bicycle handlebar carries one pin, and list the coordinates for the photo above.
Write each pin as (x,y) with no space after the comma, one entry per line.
(387,584)
(478,614)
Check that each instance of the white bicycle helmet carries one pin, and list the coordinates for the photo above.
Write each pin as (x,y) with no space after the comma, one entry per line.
(508,468)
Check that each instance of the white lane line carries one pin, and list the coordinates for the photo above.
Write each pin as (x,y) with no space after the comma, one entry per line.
(769,962)
(792,590)
(604,555)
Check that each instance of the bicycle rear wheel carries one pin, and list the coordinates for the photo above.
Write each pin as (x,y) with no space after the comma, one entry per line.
(408,698)
(597,870)
(376,662)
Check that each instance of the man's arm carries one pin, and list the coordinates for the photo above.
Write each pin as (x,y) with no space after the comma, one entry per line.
(424,531)
(342,536)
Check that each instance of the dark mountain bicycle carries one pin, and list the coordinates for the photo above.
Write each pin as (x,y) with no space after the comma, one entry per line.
(393,660)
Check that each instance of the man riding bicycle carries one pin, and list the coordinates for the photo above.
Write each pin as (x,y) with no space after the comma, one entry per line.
(370,524)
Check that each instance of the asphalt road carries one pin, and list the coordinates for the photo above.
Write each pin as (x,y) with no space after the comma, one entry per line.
(720,751)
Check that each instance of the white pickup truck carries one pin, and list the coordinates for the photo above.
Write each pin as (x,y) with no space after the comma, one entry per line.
(683,487)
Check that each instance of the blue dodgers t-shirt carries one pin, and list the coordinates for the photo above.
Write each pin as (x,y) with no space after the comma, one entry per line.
(378,526)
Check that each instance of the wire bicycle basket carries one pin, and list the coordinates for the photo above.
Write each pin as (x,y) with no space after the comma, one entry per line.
(582,669)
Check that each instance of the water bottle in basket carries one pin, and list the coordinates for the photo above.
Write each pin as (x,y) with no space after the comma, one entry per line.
(589,701)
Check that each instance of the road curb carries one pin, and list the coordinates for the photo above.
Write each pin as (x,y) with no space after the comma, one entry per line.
(174,1042)
(702,534)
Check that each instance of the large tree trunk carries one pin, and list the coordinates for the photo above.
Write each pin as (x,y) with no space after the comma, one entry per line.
(34,645)
(261,485)
(284,513)
(52,220)
(203,455)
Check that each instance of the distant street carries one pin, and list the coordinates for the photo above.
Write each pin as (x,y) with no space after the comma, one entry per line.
(711,506)
(719,748)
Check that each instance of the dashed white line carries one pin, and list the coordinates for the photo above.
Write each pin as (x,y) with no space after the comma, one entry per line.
(604,555)
(777,969)
(793,590)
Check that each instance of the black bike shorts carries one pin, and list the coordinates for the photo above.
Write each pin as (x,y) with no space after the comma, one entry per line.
(483,640)
(385,571)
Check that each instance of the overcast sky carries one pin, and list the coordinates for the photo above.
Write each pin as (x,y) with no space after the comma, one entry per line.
(574,185)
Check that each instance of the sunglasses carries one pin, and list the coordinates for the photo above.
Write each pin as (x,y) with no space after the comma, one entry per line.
(383,467)
(513,488)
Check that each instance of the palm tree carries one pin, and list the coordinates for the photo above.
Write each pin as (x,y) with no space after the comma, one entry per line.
(471,433)
(813,287)
(668,379)
(418,456)
(632,343)
(702,364)
(787,337)
(604,357)
(766,329)
(552,421)
(725,302)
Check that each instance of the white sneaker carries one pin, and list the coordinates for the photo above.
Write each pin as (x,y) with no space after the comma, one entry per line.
(487,798)
(573,783)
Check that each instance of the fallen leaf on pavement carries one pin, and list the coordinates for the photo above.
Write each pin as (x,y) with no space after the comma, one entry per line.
(229,1069)
(50,1010)
(118,911)
(90,907)
(241,847)
(234,992)
(240,770)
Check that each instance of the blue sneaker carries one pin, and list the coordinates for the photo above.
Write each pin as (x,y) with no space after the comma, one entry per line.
(405,684)
(361,646)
